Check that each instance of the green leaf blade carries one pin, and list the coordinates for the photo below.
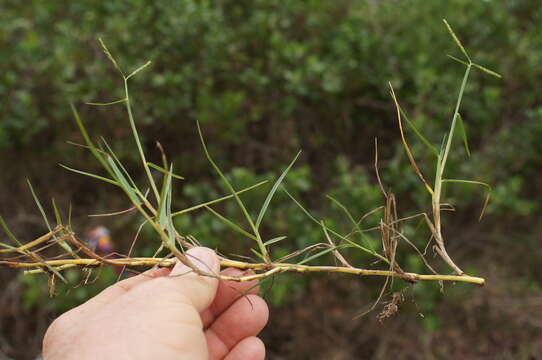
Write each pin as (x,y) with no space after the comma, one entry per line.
(94,176)
(422,138)
(230,223)
(273,190)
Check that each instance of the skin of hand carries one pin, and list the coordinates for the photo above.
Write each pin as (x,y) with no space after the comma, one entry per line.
(163,314)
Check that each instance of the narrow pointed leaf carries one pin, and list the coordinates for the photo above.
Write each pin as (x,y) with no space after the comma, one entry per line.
(164,171)
(62,243)
(107,103)
(410,156)
(223,177)
(230,223)
(164,195)
(352,220)
(233,192)
(98,177)
(123,183)
(331,231)
(199,206)
(171,228)
(36,257)
(70,217)
(119,163)
(273,190)
(257,253)
(8,232)
(474,182)
(87,139)
(419,134)
(323,252)
(7,247)
(274,240)
(38,204)
(58,218)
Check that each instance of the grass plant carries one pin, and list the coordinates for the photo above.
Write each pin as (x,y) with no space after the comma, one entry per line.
(153,201)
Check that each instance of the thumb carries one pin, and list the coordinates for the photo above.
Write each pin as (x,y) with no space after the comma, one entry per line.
(198,290)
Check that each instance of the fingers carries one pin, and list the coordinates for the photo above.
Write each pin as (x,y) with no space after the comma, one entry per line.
(245,318)
(198,290)
(228,292)
(118,289)
(126,285)
(251,348)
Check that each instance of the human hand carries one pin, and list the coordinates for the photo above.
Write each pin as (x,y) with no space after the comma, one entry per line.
(165,315)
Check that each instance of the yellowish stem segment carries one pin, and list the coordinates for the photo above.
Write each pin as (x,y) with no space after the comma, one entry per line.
(268,269)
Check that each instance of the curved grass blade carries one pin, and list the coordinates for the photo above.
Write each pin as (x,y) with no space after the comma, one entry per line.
(323,252)
(164,196)
(70,217)
(331,231)
(62,243)
(230,223)
(257,253)
(351,218)
(38,203)
(274,240)
(171,228)
(30,254)
(418,133)
(163,171)
(121,179)
(474,182)
(234,193)
(98,177)
(112,154)
(199,206)
(107,103)
(405,143)
(58,218)
(93,149)
(8,232)
(7,247)
(273,190)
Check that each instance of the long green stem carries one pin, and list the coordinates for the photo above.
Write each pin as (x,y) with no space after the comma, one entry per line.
(138,142)
(441,164)
(454,120)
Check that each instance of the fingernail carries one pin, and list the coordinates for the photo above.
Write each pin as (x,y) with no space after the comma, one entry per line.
(203,258)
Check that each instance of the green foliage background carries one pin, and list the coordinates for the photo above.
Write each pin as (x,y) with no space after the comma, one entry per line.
(266,78)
